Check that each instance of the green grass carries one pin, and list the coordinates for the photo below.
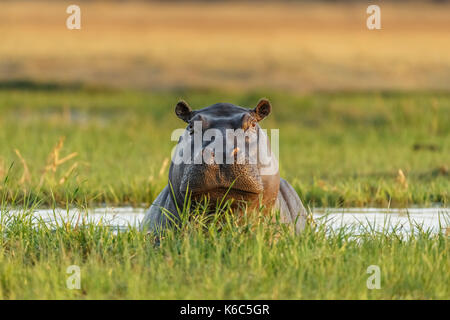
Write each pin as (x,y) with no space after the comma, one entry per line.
(229,257)
(337,149)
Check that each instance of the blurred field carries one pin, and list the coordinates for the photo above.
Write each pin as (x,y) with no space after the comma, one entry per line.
(285,46)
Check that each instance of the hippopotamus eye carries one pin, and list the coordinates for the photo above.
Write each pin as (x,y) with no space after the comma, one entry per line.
(190,128)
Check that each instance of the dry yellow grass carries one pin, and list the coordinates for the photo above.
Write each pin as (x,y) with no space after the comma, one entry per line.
(54,161)
(26,177)
(290,46)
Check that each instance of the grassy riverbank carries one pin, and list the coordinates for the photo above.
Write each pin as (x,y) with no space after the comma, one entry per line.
(248,257)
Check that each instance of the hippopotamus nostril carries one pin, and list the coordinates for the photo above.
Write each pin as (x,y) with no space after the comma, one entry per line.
(234,153)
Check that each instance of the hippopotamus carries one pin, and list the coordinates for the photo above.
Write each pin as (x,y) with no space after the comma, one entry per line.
(199,170)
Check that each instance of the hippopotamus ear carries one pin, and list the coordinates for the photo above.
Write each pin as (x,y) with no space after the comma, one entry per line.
(262,110)
(183,111)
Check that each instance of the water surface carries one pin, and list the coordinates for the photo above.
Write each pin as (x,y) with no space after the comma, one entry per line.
(359,219)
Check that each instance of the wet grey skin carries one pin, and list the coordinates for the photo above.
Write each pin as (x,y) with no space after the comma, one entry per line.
(241,181)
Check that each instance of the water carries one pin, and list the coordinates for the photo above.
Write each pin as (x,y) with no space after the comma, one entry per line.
(402,221)
(356,219)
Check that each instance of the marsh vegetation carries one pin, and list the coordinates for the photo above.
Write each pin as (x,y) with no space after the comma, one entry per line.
(225,257)
(113,147)
(86,118)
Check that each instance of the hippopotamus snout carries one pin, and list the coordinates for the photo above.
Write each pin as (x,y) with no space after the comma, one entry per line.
(209,178)
(223,158)
(212,156)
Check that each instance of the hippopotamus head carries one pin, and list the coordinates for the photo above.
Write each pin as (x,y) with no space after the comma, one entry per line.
(224,153)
